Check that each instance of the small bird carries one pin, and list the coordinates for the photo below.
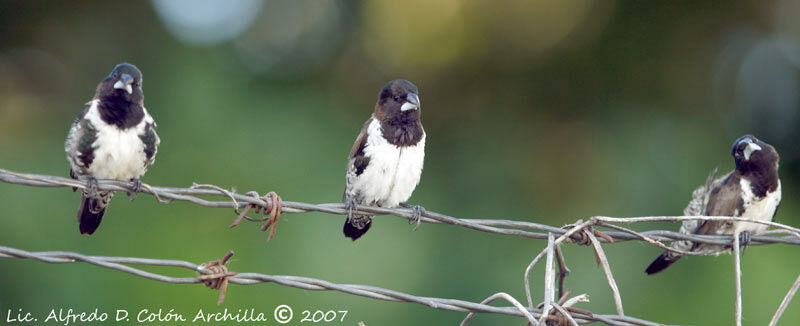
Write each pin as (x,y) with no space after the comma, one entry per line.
(385,162)
(113,138)
(752,190)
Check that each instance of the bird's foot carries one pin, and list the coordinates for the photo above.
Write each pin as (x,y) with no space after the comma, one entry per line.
(91,187)
(350,205)
(136,186)
(417,217)
(744,240)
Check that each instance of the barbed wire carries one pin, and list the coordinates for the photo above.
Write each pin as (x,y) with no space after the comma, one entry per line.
(496,226)
(216,276)
(306,283)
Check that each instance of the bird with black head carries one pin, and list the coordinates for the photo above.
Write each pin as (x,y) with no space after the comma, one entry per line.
(113,138)
(752,190)
(385,162)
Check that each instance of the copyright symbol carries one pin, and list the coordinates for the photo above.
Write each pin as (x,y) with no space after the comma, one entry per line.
(283,314)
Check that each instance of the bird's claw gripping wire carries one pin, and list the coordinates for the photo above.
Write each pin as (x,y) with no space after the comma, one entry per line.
(744,240)
(417,211)
(136,186)
(91,187)
(350,205)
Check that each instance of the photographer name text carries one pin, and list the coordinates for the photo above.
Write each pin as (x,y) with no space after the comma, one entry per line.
(63,316)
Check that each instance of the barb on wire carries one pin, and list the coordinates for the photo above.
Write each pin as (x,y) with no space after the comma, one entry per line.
(208,272)
(496,226)
(273,209)
(218,280)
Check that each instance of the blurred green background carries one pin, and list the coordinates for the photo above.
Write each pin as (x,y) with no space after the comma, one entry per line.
(546,111)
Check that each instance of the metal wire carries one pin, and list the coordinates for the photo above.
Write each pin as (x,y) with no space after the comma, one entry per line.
(496,226)
(306,283)
(580,232)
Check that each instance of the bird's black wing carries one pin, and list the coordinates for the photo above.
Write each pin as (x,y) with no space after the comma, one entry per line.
(79,148)
(151,141)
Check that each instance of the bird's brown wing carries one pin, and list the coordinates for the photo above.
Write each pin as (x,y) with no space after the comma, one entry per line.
(725,199)
(361,140)
(356,161)
(696,207)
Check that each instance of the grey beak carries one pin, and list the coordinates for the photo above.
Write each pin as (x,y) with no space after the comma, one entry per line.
(125,82)
(751,147)
(412,102)
(127,79)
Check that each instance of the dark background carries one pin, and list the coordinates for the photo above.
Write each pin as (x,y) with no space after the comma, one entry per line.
(544,111)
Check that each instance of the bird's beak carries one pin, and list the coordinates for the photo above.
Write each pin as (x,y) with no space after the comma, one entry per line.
(751,147)
(412,102)
(125,82)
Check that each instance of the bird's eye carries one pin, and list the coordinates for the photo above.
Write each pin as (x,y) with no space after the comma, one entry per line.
(396,98)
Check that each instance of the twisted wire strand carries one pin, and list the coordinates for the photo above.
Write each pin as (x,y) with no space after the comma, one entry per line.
(306,283)
(215,275)
(495,226)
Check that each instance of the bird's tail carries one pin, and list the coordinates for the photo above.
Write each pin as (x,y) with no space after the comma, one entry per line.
(356,225)
(91,211)
(662,262)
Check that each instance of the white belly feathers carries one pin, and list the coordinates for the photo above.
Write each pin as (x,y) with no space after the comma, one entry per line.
(758,209)
(118,154)
(392,173)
